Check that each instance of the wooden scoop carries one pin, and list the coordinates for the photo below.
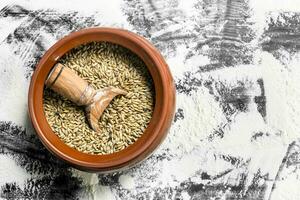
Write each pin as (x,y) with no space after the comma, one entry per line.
(68,84)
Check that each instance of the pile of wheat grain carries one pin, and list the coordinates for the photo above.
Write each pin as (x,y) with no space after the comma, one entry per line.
(104,64)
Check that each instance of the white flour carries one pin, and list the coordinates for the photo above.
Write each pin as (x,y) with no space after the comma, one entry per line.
(288,185)
(13,87)
(104,9)
(127,181)
(189,149)
(9,166)
(260,10)
(103,192)
(283,111)
(265,154)
(179,65)
(206,114)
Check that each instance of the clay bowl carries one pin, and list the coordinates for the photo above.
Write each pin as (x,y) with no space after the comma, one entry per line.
(154,133)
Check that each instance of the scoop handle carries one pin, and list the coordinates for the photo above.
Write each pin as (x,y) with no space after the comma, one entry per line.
(68,84)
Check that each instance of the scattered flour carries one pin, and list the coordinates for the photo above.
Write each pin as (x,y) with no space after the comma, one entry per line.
(178,65)
(103,192)
(13,87)
(206,114)
(102,10)
(9,166)
(187,6)
(185,196)
(87,178)
(238,141)
(260,10)
(127,181)
(283,94)
(283,110)
(178,170)
(8,25)
(91,182)
(289,188)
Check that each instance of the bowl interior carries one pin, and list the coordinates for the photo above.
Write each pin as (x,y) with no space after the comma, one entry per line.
(153,134)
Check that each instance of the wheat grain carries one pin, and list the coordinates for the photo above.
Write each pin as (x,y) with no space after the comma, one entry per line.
(104,64)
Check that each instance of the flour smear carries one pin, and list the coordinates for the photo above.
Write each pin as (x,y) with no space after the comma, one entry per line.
(13,87)
(7,167)
(188,151)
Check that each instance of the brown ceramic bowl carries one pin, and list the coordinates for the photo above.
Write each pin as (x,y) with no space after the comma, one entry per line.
(161,118)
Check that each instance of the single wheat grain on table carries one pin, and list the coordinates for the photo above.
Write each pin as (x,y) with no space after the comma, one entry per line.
(104,64)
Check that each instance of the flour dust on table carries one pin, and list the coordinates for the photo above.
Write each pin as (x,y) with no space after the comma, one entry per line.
(235,134)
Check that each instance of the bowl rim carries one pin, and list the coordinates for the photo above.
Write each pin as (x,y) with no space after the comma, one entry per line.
(161,118)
